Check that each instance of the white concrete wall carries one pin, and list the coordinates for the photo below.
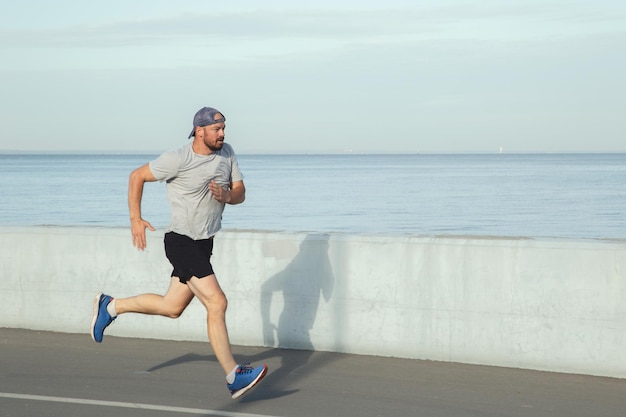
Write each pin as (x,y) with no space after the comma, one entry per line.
(553,305)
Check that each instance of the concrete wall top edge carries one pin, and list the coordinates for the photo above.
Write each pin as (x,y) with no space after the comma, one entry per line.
(469,240)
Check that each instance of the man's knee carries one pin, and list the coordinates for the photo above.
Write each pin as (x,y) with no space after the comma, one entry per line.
(217,303)
(172,312)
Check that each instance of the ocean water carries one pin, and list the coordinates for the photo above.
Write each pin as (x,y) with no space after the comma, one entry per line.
(528,195)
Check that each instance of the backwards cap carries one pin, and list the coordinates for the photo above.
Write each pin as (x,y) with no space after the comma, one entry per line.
(205,117)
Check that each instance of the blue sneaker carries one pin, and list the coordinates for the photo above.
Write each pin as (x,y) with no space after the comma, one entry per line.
(246,377)
(101,317)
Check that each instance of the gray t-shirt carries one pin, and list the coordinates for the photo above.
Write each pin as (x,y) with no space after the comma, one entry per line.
(193,211)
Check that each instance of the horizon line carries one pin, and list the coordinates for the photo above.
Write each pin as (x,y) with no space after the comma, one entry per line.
(435,152)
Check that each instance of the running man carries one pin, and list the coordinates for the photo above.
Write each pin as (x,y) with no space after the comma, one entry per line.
(201,177)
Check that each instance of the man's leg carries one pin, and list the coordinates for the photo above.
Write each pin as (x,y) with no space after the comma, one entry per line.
(210,294)
(240,378)
(172,304)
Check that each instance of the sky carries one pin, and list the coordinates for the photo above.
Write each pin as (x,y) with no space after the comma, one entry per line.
(434,76)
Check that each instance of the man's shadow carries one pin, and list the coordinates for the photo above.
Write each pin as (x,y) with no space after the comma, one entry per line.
(303,282)
(306,279)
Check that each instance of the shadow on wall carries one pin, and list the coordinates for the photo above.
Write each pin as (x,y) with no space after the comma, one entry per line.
(306,279)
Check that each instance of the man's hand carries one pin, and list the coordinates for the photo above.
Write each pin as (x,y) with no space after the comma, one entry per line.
(138,230)
(220,194)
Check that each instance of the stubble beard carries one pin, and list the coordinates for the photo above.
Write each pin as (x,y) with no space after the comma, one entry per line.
(216,147)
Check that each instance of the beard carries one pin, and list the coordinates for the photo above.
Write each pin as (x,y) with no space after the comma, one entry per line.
(216,146)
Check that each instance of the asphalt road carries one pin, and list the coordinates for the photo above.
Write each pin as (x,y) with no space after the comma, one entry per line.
(45,374)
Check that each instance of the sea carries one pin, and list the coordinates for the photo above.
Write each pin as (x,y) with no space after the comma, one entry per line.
(569,195)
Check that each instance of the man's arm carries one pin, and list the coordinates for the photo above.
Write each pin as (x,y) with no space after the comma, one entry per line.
(135,192)
(237,193)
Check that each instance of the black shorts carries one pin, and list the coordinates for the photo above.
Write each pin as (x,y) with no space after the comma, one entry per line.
(190,258)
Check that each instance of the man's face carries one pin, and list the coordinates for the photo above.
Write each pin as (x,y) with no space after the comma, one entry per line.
(213,135)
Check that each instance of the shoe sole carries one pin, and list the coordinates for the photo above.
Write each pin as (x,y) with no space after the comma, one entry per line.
(252,384)
(96,308)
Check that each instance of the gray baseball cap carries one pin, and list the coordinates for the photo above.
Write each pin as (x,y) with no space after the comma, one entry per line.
(204,117)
